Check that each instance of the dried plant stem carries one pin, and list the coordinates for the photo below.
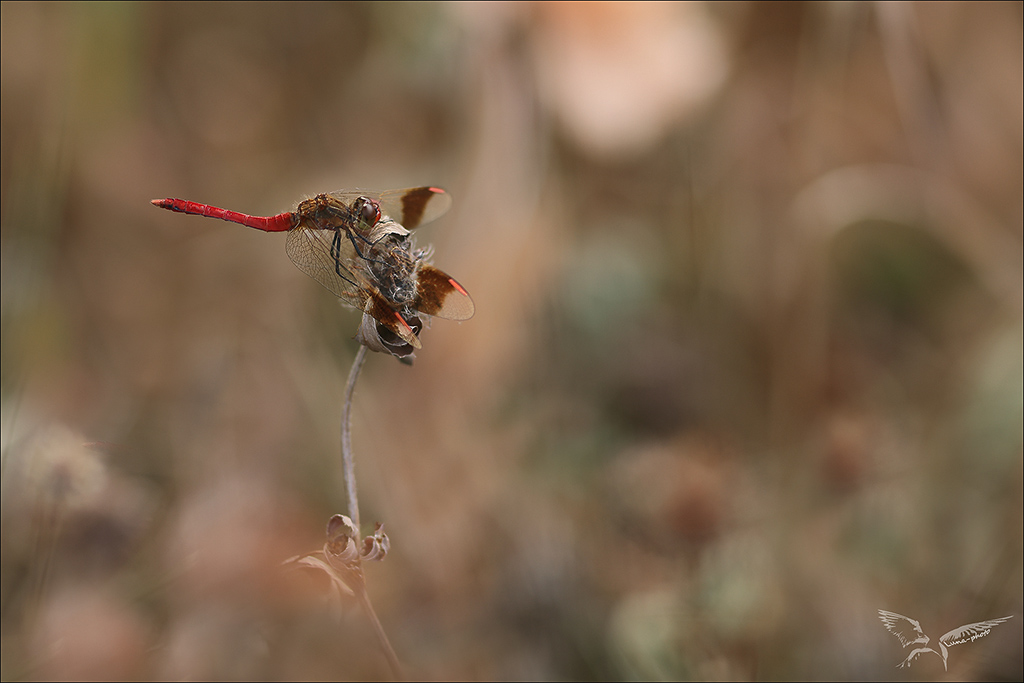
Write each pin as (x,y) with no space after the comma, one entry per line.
(347,461)
(348,466)
(385,644)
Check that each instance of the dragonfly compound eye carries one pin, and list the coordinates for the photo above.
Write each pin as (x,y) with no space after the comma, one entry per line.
(369,212)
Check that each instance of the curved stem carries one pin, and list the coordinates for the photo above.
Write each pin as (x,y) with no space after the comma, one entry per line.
(382,637)
(348,464)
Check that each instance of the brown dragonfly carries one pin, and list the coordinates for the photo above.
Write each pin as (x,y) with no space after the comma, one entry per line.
(359,246)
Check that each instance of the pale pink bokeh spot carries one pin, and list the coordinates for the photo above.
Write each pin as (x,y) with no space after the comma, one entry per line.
(619,75)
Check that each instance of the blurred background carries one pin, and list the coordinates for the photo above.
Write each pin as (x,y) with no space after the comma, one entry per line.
(746,365)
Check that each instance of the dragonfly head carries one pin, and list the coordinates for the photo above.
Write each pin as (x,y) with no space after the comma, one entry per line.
(368,211)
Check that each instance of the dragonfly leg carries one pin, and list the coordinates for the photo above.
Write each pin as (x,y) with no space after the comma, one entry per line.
(336,255)
(355,245)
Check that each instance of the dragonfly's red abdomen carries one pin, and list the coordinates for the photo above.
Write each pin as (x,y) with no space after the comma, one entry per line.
(279,223)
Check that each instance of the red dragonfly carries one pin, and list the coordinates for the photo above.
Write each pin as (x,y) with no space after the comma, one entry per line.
(358,245)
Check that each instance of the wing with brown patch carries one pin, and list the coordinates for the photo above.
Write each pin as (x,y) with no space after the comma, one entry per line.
(439,295)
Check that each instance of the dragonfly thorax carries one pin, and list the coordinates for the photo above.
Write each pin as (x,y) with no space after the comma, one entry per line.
(325,212)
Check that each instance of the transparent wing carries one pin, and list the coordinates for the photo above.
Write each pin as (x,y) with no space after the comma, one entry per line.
(410,207)
(328,257)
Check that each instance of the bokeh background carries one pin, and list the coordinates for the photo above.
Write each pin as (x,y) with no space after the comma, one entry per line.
(746,365)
